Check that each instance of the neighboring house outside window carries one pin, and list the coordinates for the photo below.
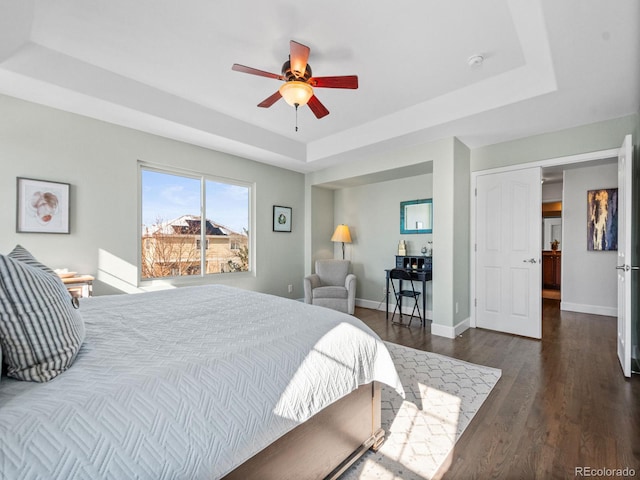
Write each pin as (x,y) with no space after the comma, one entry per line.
(178,246)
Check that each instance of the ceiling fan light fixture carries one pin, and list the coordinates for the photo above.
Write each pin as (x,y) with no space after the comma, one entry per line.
(296,93)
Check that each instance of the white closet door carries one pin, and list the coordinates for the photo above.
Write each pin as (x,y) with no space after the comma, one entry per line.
(508,235)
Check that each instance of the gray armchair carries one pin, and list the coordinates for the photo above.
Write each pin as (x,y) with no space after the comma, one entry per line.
(332,286)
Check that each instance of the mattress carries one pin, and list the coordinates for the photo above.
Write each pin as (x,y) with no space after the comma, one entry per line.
(184,383)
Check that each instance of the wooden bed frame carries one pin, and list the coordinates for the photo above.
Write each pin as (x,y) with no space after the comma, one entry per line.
(325,445)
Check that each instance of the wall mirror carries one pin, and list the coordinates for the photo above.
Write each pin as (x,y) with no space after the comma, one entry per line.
(416,216)
(551,230)
(551,225)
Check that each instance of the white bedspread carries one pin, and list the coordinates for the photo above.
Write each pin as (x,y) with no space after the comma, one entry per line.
(185,383)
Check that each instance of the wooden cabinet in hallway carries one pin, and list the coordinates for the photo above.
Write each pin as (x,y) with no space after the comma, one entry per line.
(551,273)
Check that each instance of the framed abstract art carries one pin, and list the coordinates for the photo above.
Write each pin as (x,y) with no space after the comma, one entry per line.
(602,219)
(42,206)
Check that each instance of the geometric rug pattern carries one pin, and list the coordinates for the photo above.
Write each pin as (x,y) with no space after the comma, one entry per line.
(442,396)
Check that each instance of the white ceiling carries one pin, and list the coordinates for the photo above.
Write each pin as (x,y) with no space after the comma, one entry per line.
(164,67)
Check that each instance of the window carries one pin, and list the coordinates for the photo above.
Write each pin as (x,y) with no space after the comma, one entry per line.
(173,242)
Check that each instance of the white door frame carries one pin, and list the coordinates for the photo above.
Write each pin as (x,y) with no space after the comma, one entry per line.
(552,162)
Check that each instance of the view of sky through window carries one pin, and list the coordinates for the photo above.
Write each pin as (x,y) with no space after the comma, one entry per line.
(167,196)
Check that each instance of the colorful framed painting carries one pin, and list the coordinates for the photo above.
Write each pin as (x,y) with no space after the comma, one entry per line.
(281,219)
(602,219)
(42,206)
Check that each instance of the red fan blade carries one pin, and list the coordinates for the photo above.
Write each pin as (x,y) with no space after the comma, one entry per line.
(266,103)
(254,71)
(346,81)
(318,109)
(298,56)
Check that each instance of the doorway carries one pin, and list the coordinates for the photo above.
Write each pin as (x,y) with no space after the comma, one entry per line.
(551,255)
(558,166)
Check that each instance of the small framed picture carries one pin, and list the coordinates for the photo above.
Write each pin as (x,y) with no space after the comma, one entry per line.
(281,219)
(42,206)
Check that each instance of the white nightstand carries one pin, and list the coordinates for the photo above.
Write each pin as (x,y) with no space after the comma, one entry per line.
(79,286)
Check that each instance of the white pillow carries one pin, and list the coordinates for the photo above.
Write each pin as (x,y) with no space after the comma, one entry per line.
(40,330)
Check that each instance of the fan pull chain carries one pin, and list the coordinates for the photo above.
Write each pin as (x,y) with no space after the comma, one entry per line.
(296,117)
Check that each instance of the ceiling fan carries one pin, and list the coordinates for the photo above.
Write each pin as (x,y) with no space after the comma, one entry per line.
(299,82)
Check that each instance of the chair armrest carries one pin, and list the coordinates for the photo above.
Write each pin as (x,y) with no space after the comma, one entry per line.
(314,280)
(350,285)
(310,282)
(350,282)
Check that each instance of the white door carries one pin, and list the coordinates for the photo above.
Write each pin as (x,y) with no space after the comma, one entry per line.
(625,193)
(508,250)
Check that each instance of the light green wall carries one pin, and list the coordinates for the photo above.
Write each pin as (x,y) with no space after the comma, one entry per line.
(593,137)
(99,160)
(584,139)
(376,235)
(461,228)
(448,160)
(580,267)
(322,207)
(383,162)
(452,163)
(451,178)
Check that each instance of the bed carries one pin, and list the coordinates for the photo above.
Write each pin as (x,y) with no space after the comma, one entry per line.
(201,382)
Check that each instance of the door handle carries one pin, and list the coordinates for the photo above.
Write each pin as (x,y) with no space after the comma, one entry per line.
(531,260)
(625,267)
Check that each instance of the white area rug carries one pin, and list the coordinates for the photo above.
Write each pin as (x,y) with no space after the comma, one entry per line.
(442,396)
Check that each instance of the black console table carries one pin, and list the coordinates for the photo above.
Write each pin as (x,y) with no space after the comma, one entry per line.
(420,268)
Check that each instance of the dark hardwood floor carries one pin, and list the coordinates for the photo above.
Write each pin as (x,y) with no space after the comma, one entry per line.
(561,403)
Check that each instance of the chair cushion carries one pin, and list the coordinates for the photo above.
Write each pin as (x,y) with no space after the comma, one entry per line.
(332,272)
(330,292)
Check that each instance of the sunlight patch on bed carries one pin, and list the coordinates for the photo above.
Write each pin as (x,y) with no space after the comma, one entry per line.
(329,371)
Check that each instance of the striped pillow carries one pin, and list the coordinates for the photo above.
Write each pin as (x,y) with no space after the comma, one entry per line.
(22,254)
(40,331)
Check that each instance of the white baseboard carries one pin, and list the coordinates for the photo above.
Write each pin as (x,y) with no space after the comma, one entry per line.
(436,329)
(450,332)
(372,304)
(592,309)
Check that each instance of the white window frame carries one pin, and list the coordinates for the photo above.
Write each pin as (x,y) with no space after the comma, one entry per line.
(202,278)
